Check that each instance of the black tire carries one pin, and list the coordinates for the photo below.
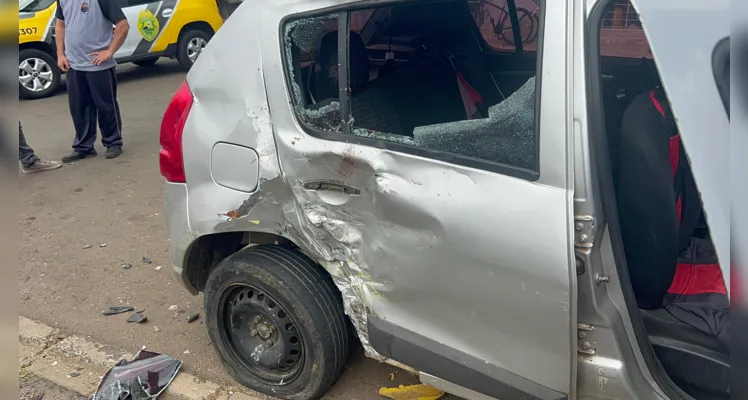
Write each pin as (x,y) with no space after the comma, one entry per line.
(294,294)
(148,62)
(183,43)
(29,54)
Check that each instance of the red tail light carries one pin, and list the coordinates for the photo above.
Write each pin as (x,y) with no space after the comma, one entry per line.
(172,125)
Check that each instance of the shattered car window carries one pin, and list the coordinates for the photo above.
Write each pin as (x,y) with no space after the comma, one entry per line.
(422,81)
(506,136)
(311,47)
(416,77)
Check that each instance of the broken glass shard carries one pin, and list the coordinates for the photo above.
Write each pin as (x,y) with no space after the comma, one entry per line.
(507,136)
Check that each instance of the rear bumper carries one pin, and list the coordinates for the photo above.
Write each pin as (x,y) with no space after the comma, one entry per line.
(180,235)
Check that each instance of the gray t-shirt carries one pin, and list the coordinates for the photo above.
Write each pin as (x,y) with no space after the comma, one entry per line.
(88,28)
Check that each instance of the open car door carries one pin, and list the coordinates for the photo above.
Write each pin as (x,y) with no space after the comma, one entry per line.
(691,65)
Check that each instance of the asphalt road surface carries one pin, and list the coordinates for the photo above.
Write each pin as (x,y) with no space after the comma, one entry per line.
(80,224)
(32,387)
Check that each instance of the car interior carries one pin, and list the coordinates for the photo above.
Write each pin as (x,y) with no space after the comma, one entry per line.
(423,74)
(670,258)
(661,233)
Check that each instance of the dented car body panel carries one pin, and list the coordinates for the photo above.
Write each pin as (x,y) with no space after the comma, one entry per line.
(427,246)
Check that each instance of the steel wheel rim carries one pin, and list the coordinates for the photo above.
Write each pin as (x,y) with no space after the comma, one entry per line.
(35,74)
(276,356)
(194,47)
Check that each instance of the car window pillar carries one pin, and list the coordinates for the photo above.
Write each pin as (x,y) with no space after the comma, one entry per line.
(343,84)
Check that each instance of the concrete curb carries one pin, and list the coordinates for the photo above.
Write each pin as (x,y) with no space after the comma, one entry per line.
(51,356)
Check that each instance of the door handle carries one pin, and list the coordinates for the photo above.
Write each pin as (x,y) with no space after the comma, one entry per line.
(331,186)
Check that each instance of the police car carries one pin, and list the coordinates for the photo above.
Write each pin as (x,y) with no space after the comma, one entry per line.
(166,28)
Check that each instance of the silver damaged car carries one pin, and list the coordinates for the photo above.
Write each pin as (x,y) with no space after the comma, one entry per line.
(514,199)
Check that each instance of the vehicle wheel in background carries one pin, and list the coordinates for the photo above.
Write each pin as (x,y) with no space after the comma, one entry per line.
(148,62)
(277,321)
(190,45)
(38,75)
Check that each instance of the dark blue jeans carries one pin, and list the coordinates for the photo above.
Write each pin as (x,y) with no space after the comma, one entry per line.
(25,152)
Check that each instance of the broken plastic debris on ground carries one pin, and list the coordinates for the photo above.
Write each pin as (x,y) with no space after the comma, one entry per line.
(112,310)
(137,318)
(146,376)
(412,392)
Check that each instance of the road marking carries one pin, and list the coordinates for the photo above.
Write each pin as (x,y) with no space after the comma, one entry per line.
(47,354)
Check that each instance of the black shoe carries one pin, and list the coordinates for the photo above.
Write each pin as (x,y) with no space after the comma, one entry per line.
(77,156)
(113,152)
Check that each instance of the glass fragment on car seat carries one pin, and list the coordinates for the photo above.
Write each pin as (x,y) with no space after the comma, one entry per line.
(507,136)
(144,377)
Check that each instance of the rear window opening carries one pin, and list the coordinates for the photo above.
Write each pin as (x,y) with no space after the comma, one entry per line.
(671,261)
(445,76)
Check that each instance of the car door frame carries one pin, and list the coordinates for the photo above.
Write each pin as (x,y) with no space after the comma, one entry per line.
(554,165)
(624,363)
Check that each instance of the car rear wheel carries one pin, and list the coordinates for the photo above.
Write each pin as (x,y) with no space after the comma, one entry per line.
(277,322)
(190,46)
(38,75)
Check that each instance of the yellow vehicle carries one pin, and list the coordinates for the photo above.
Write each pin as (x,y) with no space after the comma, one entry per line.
(158,28)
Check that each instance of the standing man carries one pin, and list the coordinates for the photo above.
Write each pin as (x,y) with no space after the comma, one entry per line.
(86,44)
